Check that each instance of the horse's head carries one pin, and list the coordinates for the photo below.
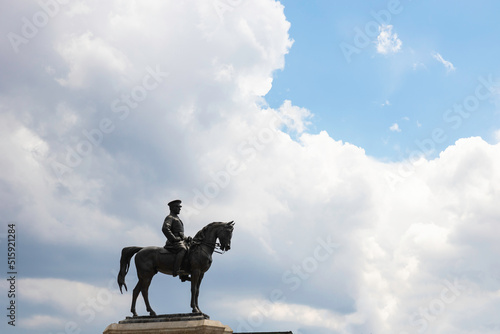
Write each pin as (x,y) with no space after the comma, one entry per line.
(225,234)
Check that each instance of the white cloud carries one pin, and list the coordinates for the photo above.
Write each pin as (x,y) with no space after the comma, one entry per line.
(388,42)
(54,309)
(395,128)
(253,308)
(86,56)
(448,65)
(294,118)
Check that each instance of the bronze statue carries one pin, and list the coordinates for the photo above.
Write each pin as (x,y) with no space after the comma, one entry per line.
(173,228)
(150,260)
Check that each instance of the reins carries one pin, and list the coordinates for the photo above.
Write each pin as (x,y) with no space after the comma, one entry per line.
(217,251)
(214,246)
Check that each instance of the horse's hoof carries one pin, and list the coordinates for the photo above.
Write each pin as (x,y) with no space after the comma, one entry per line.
(199,312)
(152,313)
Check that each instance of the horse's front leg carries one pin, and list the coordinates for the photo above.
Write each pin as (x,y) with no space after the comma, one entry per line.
(196,277)
(198,291)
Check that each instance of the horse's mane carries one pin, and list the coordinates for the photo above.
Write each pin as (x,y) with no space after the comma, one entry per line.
(201,233)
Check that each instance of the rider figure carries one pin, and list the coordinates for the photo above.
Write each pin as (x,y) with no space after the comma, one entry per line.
(173,228)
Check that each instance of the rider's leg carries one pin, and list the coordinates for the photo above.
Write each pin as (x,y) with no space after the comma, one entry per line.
(178,261)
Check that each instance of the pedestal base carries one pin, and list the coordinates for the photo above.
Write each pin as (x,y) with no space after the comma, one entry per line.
(188,323)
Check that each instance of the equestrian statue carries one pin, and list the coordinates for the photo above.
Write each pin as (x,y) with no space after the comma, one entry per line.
(189,258)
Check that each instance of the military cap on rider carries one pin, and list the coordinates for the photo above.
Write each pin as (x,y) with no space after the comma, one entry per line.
(175,202)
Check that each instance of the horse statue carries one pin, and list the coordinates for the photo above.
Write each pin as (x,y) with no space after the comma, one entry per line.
(151,260)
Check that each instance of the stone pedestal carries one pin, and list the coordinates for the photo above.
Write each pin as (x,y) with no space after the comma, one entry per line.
(188,323)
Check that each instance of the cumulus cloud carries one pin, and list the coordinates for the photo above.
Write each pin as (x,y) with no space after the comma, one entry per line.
(48,297)
(447,64)
(86,56)
(92,154)
(294,118)
(388,42)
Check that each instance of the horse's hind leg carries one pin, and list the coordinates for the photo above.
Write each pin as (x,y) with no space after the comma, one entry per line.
(144,290)
(135,294)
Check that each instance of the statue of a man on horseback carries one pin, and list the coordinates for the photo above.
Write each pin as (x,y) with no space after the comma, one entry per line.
(169,259)
(177,242)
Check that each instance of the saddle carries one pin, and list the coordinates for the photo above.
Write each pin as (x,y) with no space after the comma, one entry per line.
(163,250)
(169,249)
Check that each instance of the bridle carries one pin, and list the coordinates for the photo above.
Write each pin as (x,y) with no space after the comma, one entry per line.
(214,246)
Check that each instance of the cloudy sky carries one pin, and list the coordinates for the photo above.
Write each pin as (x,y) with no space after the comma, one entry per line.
(355,145)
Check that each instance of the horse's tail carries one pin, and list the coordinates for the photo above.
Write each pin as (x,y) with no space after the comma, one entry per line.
(127,254)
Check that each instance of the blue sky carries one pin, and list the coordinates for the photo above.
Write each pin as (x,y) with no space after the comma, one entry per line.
(358,97)
(364,187)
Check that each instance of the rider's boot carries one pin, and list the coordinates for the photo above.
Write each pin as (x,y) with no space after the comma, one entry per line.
(184,277)
(178,261)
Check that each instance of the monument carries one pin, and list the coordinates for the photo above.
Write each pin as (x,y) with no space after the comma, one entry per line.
(188,258)
(169,324)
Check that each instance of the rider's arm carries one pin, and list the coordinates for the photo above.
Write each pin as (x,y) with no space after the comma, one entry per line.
(167,224)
